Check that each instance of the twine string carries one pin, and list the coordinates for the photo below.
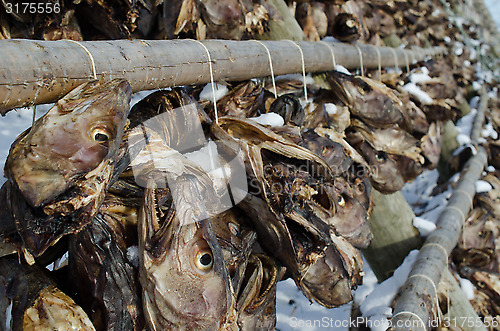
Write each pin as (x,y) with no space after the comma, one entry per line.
(211,78)
(360,59)
(270,66)
(303,68)
(92,62)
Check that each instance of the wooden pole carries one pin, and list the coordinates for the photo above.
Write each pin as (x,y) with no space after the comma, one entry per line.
(459,309)
(418,294)
(394,236)
(477,126)
(35,72)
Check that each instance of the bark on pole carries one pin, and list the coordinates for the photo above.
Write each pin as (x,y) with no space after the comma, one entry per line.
(35,72)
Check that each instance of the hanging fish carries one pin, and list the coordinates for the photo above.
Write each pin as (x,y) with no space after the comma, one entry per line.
(101,269)
(32,301)
(185,284)
(371,101)
(60,168)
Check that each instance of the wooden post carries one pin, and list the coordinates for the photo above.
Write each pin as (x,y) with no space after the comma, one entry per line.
(459,306)
(394,235)
(286,28)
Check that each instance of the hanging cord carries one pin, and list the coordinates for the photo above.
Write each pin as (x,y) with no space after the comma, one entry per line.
(92,63)
(396,64)
(211,78)
(379,58)
(331,51)
(407,63)
(270,66)
(303,68)
(360,59)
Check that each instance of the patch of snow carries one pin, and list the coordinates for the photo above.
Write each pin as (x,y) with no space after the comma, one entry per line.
(467,287)
(295,312)
(138,96)
(423,226)
(342,69)
(463,139)
(369,283)
(378,302)
(331,108)
(204,157)
(490,168)
(482,186)
(420,77)
(417,92)
(465,123)
(208,94)
(330,39)
(133,255)
(489,131)
(271,119)
(476,86)
(8,315)
(447,39)
(309,79)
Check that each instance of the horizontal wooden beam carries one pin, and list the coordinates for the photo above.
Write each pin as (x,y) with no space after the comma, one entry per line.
(35,72)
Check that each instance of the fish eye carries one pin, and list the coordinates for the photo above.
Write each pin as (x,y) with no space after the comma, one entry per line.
(234,229)
(341,200)
(100,135)
(380,156)
(204,260)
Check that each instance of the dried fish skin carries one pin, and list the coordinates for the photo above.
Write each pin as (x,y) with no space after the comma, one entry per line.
(42,227)
(326,281)
(224,19)
(384,174)
(81,130)
(253,138)
(333,153)
(346,27)
(350,219)
(288,106)
(371,101)
(185,284)
(174,115)
(256,303)
(244,100)
(104,276)
(35,301)
(8,229)
(431,145)
(63,312)
(273,234)
(392,140)
(236,239)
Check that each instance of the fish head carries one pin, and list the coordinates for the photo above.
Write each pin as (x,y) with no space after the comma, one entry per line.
(72,138)
(327,281)
(367,99)
(182,273)
(257,298)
